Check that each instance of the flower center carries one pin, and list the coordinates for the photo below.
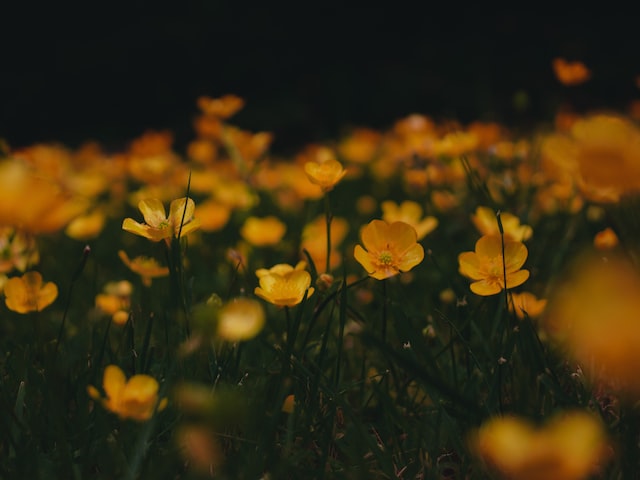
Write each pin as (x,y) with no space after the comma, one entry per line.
(385,257)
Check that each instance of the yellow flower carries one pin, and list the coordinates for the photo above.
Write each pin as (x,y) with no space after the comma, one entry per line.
(605,239)
(566,448)
(284,285)
(86,226)
(158,226)
(325,172)
(116,301)
(262,232)
(147,268)
(390,249)
(314,240)
(411,213)
(240,319)
(570,73)
(487,267)
(17,250)
(136,398)
(487,224)
(28,293)
(527,304)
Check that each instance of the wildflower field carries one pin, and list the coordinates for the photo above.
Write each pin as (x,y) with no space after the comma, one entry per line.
(429,301)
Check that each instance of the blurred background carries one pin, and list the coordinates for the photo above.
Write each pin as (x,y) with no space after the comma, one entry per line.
(73,73)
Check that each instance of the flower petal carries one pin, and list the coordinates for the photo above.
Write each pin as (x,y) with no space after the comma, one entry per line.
(515,254)
(153,212)
(181,212)
(470,265)
(363,258)
(374,235)
(411,257)
(113,382)
(517,278)
(489,245)
(485,288)
(402,236)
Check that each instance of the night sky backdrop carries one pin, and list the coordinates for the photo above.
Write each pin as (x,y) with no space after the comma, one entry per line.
(82,72)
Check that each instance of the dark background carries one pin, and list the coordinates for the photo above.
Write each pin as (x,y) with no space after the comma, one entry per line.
(78,72)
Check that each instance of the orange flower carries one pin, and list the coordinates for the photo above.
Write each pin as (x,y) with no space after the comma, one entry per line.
(390,249)
(160,227)
(136,398)
(223,107)
(324,171)
(28,293)
(487,224)
(570,73)
(568,447)
(262,232)
(488,268)
(147,268)
(284,285)
(411,213)
(605,239)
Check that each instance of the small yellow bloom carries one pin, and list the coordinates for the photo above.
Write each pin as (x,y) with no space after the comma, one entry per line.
(605,239)
(86,226)
(116,301)
(147,268)
(527,304)
(263,232)
(240,319)
(570,73)
(136,398)
(157,225)
(284,285)
(388,249)
(325,173)
(487,224)
(566,448)
(488,268)
(28,293)
(409,212)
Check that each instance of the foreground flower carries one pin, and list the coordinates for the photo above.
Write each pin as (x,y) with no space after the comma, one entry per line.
(240,319)
(157,225)
(388,249)
(284,285)
(147,268)
(566,448)
(486,222)
(488,268)
(28,293)
(409,212)
(136,398)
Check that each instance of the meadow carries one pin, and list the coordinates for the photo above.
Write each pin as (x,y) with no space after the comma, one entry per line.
(428,301)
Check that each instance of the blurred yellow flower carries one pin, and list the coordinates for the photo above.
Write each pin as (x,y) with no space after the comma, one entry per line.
(605,239)
(116,301)
(324,171)
(157,225)
(388,249)
(135,399)
(28,293)
(284,285)
(240,319)
(570,73)
(409,212)
(213,215)
(148,268)
(314,240)
(568,447)
(86,226)
(17,250)
(263,232)
(488,268)
(223,107)
(526,304)
(486,222)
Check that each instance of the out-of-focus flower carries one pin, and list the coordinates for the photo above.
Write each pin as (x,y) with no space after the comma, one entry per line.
(200,448)
(409,212)
(606,239)
(135,399)
(388,249)
(568,447)
(148,268)
(28,293)
(240,319)
(289,404)
(314,240)
(487,267)
(87,226)
(157,225)
(283,284)
(116,301)
(360,146)
(570,73)
(526,304)
(262,232)
(213,215)
(17,250)
(223,107)
(486,222)
(324,170)
(593,314)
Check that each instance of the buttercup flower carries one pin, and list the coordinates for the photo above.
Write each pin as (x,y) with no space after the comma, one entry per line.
(527,304)
(388,249)
(409,212)
(28,293)
(570,73)
(284,285)
(147,268)
(325,172)
(566,448)
(487,224)
(157,225)
(262,232)
(136,398)
(487,267)
(240,319)
(605,239)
